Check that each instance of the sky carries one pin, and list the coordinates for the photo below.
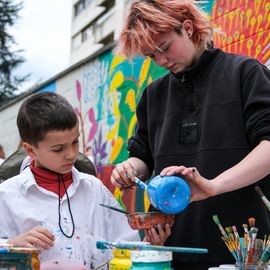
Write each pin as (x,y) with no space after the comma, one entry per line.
(43,33)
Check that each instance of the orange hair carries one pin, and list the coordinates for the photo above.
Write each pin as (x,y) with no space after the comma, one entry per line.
(147,19)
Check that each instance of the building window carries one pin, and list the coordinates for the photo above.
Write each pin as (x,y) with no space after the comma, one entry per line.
(81,5)
(76,41)
(87,34)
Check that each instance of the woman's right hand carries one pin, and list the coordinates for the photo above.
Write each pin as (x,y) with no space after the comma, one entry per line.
(38,237)
(123,175)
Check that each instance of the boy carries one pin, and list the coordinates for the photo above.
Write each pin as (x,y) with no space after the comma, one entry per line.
(50,205)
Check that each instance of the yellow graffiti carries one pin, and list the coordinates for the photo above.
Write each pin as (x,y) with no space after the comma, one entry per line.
(117,60)
(116,148)
(117,80)
(244,27)
(131,100)
(132,125)
(144,71)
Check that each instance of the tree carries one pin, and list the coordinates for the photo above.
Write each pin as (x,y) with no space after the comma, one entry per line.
(9,58)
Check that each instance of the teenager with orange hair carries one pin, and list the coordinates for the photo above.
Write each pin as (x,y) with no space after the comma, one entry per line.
(212,112)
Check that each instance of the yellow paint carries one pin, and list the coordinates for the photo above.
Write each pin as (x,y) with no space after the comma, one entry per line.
(268,21)
(242,38)
(225,20)
(231,16)
(229,50)
(267,8)
(236,38)
(116,149)
(249,46)
(237,12)
(259,20)
(132,124)
(130,100)
(266,39)
(146,201)
(266,56)
(117,80)
(224,38)
(249,13)
(252,23)
(219,15)
(114,131)
(258,50)
(117,193)
(260,34)
(117,60)
(243,15)
(144,71)
(257,5)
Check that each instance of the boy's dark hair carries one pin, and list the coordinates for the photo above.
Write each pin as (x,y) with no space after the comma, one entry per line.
(44,112)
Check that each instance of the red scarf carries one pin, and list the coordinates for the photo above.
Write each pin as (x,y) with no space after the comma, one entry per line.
(49,180)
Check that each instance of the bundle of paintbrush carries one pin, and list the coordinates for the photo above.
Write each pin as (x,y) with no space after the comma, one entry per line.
(247,249)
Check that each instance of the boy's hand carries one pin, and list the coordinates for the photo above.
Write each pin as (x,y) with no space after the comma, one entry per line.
(38,237)
(157,236)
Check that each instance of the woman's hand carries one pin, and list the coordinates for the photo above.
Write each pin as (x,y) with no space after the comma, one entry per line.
(123,175)
(200,187)
(157,236)
(38,237)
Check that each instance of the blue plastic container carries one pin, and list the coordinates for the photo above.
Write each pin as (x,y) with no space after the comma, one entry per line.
(169,194)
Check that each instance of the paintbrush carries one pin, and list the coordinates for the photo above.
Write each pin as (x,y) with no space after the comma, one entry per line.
(140,183)
(254,232)
(115,209)
(143,246)
(230,247)
(251,222)
(264,199)
(245,226)
(216,220)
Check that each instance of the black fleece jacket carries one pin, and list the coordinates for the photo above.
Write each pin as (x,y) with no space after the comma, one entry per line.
(210,117)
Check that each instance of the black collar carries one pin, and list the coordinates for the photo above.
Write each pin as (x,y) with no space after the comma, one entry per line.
(199,70)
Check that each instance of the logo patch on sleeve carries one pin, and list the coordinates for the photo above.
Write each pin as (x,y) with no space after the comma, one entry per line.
(189,132)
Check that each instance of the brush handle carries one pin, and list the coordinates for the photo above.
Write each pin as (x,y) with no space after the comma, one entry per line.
(115,209)
(141,246)
(140,183)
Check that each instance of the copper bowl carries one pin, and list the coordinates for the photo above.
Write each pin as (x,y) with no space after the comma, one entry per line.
(148,220)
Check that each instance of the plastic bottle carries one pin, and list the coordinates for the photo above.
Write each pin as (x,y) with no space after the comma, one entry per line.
(121,260)
(151,260)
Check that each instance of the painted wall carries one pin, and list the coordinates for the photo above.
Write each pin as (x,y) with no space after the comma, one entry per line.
(112,86)
(105,91)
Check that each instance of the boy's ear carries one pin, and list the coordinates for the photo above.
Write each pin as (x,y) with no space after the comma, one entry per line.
(29,149)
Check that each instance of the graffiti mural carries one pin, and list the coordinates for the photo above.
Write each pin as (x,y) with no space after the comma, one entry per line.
(110,86)
(243,27)
(107,95)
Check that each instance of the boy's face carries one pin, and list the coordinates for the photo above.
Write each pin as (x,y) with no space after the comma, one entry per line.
(57,152)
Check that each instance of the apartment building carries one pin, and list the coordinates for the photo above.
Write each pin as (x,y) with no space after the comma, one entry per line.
(95,23)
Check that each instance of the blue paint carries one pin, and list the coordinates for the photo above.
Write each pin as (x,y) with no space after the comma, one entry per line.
(51,87)
(169,194)
(144,246)
(208,7)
